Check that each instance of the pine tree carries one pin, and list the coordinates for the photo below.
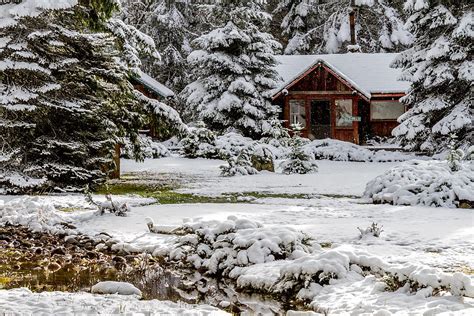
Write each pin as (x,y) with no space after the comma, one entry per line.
(440,68)
(315,26)
(65,98)
(298,160)
(165,21)
(233,74)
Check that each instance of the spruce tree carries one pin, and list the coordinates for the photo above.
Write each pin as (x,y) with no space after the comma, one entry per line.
(440,68)
(65,96)
(315,27)
(298,161)
(233,73)
(165,21)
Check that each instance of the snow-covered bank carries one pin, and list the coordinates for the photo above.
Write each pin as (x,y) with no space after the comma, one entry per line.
(23,302)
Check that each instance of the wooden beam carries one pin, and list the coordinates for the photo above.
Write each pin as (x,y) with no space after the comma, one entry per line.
(328,93)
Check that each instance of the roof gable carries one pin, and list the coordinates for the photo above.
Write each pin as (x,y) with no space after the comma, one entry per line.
(367,73)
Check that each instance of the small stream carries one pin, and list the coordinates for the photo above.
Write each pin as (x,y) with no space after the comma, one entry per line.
(46,262)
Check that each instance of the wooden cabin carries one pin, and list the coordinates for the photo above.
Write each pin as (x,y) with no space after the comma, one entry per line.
(152,89)
(350,97)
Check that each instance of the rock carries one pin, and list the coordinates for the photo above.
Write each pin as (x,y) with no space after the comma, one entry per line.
(54,266)
(38,251)
(58,251)
(466,204)
(100,247)
(5,237)
(92,255)
(119,259)
(263,161)
(70,240)
(111,287)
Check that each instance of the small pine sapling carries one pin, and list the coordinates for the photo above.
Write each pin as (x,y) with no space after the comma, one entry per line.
(298,161)
(239,165)
(455,155)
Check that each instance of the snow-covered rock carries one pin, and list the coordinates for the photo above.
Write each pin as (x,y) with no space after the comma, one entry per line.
(24,302)
(429,183)
(112,287)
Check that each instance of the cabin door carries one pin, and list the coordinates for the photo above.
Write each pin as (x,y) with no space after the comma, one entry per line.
(321,119)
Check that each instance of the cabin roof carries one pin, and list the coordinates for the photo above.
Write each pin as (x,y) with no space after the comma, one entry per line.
(154,85)
(368,73)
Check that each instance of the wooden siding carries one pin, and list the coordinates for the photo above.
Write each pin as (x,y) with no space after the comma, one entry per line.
(321,84)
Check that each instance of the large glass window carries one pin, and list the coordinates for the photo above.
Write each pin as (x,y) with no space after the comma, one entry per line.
(344,113)
(298,112)
(386,110)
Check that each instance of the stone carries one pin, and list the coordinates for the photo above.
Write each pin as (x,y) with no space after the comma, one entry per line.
(58,251)
(263,161)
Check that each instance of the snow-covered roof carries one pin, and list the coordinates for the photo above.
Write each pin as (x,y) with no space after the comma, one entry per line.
(154,85)
(367,73)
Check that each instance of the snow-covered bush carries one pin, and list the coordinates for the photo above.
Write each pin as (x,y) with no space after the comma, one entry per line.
(298,160)
(222,247)
(119,209)
(373,230)
(231,144)
(332,149)
(200,142)
(148,147)
(430,183)
(239,165)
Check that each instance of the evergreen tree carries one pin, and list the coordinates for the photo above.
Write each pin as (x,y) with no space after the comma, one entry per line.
(65,98)
(315,26)
(298,160)
(233,73)
(440,68)
(165,21)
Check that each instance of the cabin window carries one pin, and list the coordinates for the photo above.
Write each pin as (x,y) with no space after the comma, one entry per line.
(386,110)
(344,113)
(298,112)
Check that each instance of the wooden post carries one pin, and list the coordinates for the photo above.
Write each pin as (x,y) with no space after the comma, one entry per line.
(116,173)
(355,124)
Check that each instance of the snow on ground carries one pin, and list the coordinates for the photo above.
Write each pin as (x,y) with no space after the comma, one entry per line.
(333,178)
(442,238)
(23,302)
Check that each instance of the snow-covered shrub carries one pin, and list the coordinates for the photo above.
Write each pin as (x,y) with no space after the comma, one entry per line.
(231,144)
(200,142)
(223,247)
(119,209)
(332,149)
(373,230)
(469,154)
(298,160)
(240,165)
(430,183)
(148,147)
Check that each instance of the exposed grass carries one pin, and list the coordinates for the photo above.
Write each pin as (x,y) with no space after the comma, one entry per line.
(168,195)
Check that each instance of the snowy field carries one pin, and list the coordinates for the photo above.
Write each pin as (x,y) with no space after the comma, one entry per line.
(439,238)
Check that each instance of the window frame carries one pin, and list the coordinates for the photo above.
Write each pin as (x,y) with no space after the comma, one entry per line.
(349,126)
(379,103)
